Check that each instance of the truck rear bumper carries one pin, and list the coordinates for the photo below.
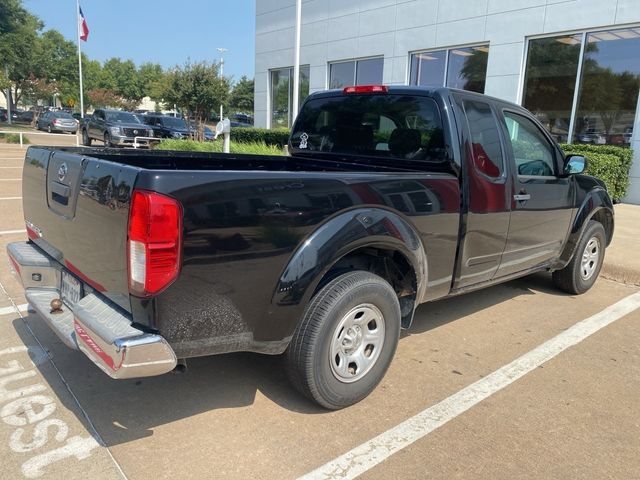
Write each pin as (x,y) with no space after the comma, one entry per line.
(92,325)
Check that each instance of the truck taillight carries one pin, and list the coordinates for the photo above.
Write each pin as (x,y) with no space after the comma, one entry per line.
(154,242)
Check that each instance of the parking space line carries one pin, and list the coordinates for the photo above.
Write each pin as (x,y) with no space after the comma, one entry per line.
(10,198)
(9,179)
(17,308)
(369,454)
(11,167)
(9,232)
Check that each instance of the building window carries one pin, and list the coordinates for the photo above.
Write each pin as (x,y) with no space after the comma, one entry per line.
(464,68)
(608,89)
(550,77)
(584,87)
(282,94)
(356,72)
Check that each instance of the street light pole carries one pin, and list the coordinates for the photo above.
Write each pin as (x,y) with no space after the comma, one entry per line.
(296,63)
(221,50)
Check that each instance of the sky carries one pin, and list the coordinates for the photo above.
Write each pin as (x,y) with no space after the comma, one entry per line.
(167,32)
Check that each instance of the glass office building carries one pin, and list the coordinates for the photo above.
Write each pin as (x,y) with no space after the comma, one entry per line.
(575,65)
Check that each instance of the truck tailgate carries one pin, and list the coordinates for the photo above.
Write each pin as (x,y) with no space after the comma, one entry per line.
(76,209)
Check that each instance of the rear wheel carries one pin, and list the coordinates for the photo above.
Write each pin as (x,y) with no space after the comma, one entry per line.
(86,140)
(346,340)
(582,271)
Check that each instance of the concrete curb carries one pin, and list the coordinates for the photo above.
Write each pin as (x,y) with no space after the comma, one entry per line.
(620,273)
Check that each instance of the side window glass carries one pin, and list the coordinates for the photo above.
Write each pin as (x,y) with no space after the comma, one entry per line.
(532,152)
(485,139)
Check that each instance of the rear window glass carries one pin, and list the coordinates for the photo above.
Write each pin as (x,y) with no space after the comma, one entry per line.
(391,126)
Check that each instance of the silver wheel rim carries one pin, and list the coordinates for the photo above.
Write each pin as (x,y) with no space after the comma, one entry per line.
(356,343)
(590,257)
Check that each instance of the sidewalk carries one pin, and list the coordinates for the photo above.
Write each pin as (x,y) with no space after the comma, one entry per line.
(622,260)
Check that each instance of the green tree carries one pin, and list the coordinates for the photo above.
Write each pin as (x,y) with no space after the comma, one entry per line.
(196,88)
(148,74)
(122,77)
(242,96)
(19,46)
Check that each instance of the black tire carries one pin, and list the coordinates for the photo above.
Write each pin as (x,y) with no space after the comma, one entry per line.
(86,140)
(572,279)
(308,356)
(107,140)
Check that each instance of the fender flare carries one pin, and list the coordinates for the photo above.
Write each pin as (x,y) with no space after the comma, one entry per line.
(341,235)
(596,202)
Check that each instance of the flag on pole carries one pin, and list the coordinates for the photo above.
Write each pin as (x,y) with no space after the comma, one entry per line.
(82,26)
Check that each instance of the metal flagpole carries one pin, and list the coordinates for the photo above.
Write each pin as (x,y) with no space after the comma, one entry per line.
(296,63)
(79,57)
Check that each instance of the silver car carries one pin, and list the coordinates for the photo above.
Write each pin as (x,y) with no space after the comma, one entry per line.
(57,122)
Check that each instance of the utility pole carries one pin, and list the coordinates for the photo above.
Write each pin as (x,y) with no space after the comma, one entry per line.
(296,64)
(79,58)
(221,50)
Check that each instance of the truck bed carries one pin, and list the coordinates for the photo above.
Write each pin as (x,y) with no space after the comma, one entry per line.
(245,216)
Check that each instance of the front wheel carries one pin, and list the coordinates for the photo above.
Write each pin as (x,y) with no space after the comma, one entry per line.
(582,271)
(107,140)
(86,140)
(346,340)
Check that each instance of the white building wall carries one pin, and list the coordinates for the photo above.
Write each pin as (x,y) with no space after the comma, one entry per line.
(335,30)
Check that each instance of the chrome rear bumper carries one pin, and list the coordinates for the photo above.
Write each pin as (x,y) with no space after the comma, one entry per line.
(93,325)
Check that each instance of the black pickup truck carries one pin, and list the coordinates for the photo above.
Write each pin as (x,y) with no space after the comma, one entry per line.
(390,197)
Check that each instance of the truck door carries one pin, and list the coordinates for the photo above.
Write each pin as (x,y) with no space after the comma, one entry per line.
(487,187)
(96,125)
(541,200)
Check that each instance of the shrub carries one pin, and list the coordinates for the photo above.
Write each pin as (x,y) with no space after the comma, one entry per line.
(256,148)
(13,138)
(278,136)
(608,163)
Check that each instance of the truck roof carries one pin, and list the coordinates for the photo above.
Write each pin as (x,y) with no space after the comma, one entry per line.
(443,92)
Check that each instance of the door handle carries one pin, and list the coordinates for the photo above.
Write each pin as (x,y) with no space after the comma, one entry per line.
(522,197)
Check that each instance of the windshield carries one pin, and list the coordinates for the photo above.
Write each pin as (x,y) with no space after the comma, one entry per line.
(392,126)
(173,122)
(121,117)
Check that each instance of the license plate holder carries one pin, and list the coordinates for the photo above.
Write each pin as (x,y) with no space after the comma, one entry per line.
(71,289)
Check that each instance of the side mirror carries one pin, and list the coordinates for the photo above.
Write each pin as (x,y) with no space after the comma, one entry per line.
(574,164)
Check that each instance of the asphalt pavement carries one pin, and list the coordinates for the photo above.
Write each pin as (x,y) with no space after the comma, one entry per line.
(515,381)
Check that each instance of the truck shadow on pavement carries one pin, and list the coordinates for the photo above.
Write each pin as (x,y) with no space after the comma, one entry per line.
(128,410)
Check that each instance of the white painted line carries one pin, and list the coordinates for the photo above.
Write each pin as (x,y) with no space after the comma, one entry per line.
(8,310)
(9,232)
(10,167)
(10,179)
(10,198)
(366,456)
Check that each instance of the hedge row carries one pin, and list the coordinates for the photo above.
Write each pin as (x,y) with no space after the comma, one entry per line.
(278,136)
(608,163)
(256,148)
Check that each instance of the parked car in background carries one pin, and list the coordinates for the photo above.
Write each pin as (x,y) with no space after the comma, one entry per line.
(242,119)
(57,122)
(3,115)
(23,117)
(166,127)
(115,128)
